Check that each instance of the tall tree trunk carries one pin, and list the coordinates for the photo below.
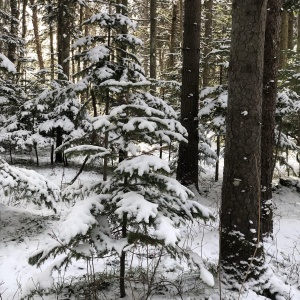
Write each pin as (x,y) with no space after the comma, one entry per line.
(272,36)
(181,9)
(241,252)
(298,32)
(14,29)
(146,24)
(52,59)
(290,30)
(187,169)
(208,4)
(171,59)
(153,41)
(35,25)
(64,28)
(24,23)
(283,39)
(122,156)
(23,34)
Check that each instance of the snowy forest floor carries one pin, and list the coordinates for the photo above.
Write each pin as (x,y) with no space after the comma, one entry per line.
(24,228)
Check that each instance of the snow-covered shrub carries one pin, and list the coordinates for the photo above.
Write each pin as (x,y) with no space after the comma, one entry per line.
(27,186)
(140,204)
(211,120)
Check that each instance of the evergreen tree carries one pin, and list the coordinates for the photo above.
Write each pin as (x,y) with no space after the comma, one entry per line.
(140,204)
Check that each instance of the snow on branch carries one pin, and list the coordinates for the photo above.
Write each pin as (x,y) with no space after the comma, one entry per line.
(27,184)
(6,64)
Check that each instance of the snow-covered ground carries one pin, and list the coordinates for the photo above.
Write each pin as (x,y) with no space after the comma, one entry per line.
(25,230)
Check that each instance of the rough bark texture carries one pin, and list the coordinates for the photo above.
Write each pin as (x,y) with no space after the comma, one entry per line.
(35,25)
(64,28)
(153,33)
(171,60)
(272,36)
(208,4)
(24,23)
(241,253)
(187,169)
(290,30)
(122,156)
(181,8)
(283,39)
(14,28)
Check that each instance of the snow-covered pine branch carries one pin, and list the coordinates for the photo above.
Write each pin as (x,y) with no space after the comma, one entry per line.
(22,184)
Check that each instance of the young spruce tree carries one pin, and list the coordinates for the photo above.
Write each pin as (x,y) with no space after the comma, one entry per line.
(140,203)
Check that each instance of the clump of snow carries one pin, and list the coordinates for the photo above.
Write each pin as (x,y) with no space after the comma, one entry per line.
(137,206)
(6,64)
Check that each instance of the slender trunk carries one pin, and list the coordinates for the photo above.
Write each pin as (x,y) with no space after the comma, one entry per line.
(287,160)
(153,34)
(181,9)
(123,259)
(272,36)
(10,153)
(64,29)
(208,4)
(36,154)
(283,39)
(38,46)
(79,48)
(298,32)
(14,29)
(146,24)
(24,31)
(52,147)
(187,169)
(59,140)
(52,54)
(290,30)
(105,160)
(24,23)
(218,156)
(171,60)
(218,137)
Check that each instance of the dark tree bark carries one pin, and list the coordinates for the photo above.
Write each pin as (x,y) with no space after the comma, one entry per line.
(14,29)
(290,30)
(171,59)
(35,25)
(272,36)
(122,156)
(208,4)
(241,252)
(64,29)
(283,39)
(153,33)
(24,23)
(187,169)
(298,32)
(181,8)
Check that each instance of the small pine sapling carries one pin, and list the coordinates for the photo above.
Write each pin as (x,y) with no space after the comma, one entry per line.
(140,203)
